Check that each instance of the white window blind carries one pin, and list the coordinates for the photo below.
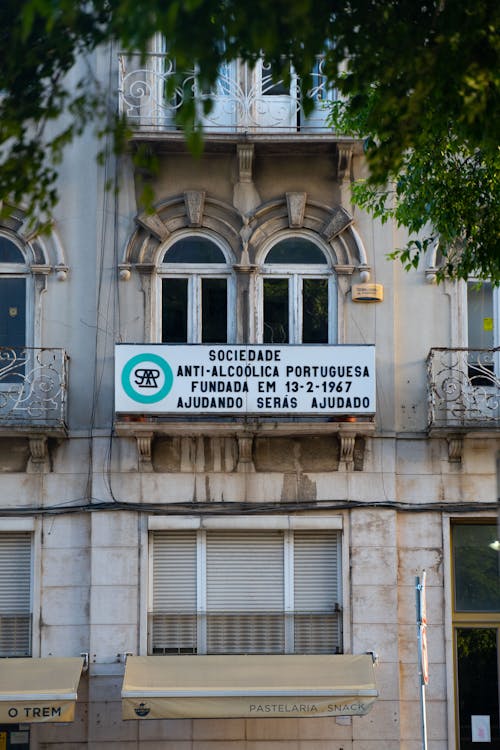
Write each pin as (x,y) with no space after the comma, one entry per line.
(245,592)
(245,586)
(174,592)
(316,591)
(15,594)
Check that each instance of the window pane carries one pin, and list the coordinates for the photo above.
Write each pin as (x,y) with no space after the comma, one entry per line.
(476,566)
(12,312)
(315,311)
(9,253)
(480,324)
(276,311)
(480,315)
(194,250)
(477,660)
(272,81)
(214,311)
(296,250)
(174,311)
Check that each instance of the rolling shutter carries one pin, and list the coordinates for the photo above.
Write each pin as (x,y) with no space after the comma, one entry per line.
(317,592)
(245,590)
(173,621)
(15,594)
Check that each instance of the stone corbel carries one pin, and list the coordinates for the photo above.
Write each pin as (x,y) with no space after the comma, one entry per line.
(144,446)
(344,159)
(245,162)
(39,454)
(455,449)
(245,463)
(347,442)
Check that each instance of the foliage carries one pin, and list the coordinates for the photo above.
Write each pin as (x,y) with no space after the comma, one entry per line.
(445,192)
(434,63)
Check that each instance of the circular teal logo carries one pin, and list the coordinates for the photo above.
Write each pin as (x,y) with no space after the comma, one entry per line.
(147,378)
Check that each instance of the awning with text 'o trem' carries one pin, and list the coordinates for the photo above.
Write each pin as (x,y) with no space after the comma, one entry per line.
(38,690)
(179,687)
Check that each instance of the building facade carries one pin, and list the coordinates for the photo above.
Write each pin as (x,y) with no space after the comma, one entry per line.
(235,440)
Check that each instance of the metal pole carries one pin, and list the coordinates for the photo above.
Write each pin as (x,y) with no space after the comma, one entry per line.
(423,714)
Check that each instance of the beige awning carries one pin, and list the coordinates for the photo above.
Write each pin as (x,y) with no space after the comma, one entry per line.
(174,687)
(36,690)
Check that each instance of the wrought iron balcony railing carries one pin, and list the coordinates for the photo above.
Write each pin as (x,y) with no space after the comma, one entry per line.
(33,387)
(464,388)
(244,99)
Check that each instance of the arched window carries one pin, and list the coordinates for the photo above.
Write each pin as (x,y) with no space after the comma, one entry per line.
(298,294)
(196,289)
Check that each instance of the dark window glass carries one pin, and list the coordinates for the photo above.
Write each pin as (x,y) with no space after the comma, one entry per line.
(276,311)
(214,311)
(12,312)
(477,662)
(272,81)
(12,329)
(315,311)
(174,316)
(9,253)
(296,250)
(476,566)
(194,250)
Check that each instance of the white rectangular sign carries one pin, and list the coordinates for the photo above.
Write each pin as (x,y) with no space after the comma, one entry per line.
(244,379)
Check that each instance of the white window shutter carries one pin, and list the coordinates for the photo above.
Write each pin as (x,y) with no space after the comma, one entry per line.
(317,592)
(173,619)
(15,594)
(245,590)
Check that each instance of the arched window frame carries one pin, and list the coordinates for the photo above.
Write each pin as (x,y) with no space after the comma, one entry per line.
(296,274)
(195,273)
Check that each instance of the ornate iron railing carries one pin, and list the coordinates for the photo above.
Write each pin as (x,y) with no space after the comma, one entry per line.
(33,387)
(243,100)
(464,388)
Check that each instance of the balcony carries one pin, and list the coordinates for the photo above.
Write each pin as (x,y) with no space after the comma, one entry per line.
(464,390)
(33,388)
(245,100)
